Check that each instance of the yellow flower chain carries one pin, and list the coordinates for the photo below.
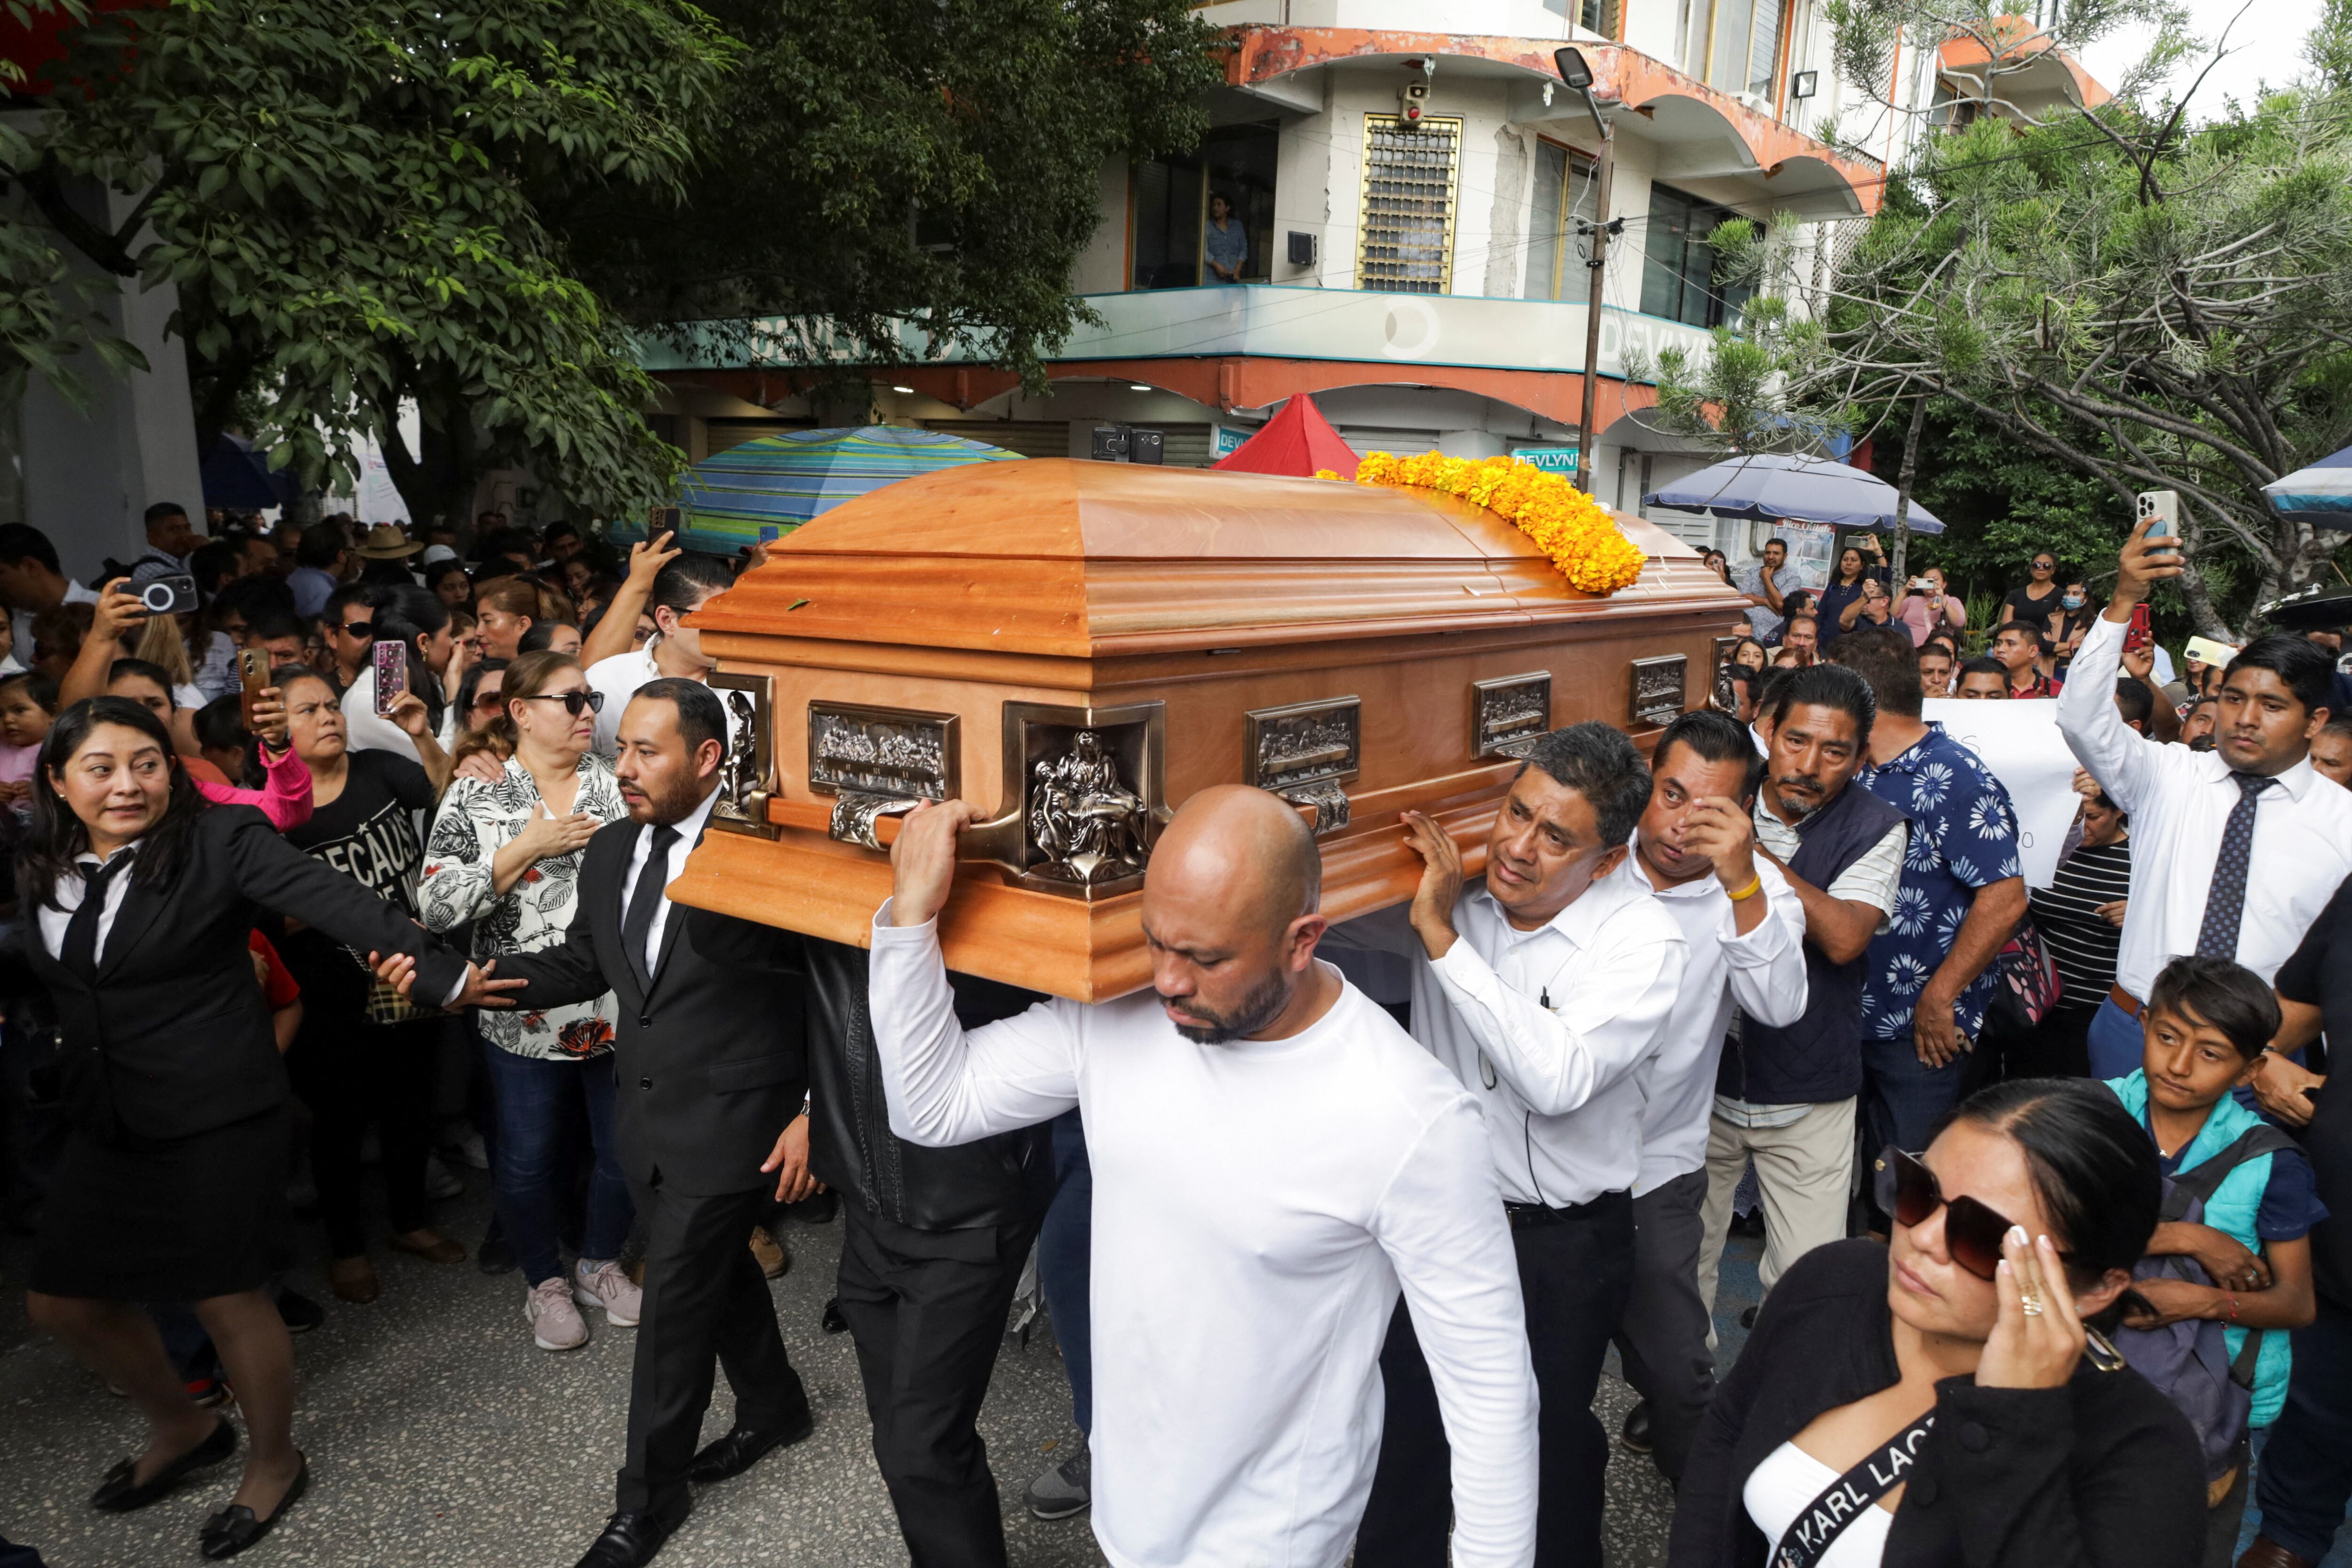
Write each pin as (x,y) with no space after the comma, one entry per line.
(1571,528)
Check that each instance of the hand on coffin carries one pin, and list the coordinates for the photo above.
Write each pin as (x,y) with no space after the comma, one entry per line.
(1441,884)
(923,860)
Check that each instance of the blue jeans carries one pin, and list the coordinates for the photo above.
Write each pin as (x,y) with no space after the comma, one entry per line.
(2117,1046)
(2306,1477)
(1065,1261)
(526,1171)
(1903,1098)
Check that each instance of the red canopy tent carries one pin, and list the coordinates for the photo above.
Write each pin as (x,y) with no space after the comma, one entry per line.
(1298,440)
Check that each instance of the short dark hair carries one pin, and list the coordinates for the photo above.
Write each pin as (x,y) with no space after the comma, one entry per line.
(2222,994)
(1800,615)
(23,541)
(220,723)
(2303,667)
(1830,686)
(2134,701)
(144,670)
(1983,667)
(686,581)
(1599,762)
(2028,627)
(322,544)
(272,624)
(1776,539)
(162,509)
(368,593)
(1712,738)
(254,597)
(560,529)
(215,565)
(37,686)
(1885,658)
(700,715)
(2338,724)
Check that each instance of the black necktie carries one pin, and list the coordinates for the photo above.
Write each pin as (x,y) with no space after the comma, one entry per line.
(637,921)
(78,951)
(2225,904)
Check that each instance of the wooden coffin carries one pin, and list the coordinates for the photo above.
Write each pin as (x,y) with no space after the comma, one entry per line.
(1077,647)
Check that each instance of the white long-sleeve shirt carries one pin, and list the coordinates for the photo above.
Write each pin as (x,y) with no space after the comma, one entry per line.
(1763,972)
(1547,1029)
(2180,802)
(1257,1204)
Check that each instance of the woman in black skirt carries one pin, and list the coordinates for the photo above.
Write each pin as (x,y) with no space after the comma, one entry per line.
(138,901)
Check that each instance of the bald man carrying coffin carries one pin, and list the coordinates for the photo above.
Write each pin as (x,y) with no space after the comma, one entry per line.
(1274,1159)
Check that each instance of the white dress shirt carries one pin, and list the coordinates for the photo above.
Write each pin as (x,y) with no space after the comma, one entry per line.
(1762,971)
(67,898)
(2180,802)
(1547,1029)
(689,833)
(1258,1206)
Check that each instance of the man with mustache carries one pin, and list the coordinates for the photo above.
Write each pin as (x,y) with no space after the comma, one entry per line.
(1785,1096)
(1273,1158)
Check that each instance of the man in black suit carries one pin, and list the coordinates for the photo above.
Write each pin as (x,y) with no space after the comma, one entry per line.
(712,1081)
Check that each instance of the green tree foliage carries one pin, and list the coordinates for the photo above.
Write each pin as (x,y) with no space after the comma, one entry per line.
(892,178)
(2109,295)
(344,196)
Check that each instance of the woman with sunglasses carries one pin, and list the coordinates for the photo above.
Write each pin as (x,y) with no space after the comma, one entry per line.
(1943,1398)
(506,856)
(2037,598)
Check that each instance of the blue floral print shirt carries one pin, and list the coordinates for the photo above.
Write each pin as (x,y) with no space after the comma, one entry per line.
(1963,836)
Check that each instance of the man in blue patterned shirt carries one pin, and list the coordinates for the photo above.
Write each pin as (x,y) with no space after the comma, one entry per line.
(1931,972)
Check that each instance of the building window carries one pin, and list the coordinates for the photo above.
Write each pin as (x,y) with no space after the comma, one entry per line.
(1176,239)
(1406,243)
(1563,195)
(1605,18)
(1678,264)
(1734,45)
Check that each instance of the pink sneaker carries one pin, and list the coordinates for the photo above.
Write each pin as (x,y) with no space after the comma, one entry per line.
(605,1286)
(555,1323)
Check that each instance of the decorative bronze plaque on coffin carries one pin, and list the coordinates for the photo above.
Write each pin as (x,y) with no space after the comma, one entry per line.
(749,775)
(1304,752)
(1658,689)
(1084,804)
(877,762)
(1509,711)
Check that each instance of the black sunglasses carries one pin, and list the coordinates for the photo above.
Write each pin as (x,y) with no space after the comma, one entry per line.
(1909,1192)
(358,628)
(574,702)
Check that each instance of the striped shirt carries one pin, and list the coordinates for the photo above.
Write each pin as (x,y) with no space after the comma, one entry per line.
(2081,945)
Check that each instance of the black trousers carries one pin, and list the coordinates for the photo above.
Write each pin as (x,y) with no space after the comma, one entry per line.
(1576,1271)
(927,1311)
(355,1074)
(706,1309)
(1661,1336)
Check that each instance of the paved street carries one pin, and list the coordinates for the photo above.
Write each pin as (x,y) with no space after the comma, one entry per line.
(438,1436)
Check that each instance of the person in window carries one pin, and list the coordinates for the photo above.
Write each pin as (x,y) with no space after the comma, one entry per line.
(1224,243)
(2015,1230)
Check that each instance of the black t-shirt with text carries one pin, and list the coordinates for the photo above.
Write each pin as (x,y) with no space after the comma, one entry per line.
(369,833)
(2320,974)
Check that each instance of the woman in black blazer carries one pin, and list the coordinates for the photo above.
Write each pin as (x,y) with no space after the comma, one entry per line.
(138,899)
(2036,1457)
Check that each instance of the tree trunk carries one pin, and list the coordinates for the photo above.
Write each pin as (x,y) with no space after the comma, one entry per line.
(1902,477)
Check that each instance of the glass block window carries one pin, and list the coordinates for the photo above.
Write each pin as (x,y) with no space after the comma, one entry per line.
(1406,243)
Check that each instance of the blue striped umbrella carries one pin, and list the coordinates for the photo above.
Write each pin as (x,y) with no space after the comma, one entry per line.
(781,481)
(2320,495)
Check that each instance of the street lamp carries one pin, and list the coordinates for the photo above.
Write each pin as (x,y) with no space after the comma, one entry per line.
(1577,75)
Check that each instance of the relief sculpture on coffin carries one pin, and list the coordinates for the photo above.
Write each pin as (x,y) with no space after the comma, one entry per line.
(1090,825)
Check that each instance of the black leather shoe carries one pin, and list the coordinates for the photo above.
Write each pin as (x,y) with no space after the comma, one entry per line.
(234,1528)
(743,1447)
(630,1540)
(1747,1317)
(1635,1433)
(118,1494)
(833,1321)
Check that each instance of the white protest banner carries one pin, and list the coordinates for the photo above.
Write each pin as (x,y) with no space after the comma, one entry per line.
(2020,742)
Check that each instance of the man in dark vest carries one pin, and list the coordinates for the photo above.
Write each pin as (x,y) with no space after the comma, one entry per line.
(1785,1097)
(933,1251)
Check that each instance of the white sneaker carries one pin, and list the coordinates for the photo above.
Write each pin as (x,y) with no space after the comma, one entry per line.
(555,1323)
(605,1286)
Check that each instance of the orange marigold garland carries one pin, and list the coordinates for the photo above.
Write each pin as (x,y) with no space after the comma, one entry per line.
(1571,528)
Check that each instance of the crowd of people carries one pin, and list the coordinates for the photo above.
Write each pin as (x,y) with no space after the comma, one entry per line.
(2045,1178)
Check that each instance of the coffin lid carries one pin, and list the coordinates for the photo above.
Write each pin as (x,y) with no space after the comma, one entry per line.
(1083,559)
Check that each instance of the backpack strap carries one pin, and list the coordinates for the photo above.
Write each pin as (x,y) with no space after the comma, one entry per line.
(2201,1181)
(2241,1366)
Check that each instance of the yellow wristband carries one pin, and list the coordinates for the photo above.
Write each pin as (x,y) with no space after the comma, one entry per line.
(1750,891)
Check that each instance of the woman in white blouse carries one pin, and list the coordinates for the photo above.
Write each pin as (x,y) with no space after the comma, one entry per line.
(506,856)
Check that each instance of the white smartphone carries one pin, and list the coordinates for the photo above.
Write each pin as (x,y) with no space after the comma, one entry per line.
(2164,505)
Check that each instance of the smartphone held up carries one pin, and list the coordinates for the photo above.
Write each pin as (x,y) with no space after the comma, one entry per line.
(391,675)
(2160,509)
(252,680)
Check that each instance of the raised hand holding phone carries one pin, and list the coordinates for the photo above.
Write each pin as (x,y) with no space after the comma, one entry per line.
(2143,565)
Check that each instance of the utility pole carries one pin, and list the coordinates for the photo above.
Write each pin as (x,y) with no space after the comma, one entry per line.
(1577,75)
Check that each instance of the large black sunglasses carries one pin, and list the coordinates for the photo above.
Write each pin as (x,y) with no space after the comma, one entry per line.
(1909,1192)
(574,702)
(358,628)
